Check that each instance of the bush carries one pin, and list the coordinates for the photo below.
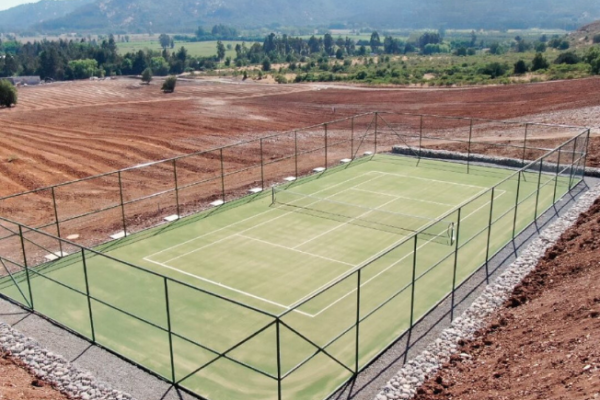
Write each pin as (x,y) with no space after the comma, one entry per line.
(8,94)
(169,84)
(520,67)
(539,62)
(567,58)
(495,69)
(147,76)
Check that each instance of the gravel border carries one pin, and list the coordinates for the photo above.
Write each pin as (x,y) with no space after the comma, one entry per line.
(54,369)
(412,375)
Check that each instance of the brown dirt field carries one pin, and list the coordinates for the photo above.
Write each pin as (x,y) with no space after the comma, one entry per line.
(17,384)
(544,343)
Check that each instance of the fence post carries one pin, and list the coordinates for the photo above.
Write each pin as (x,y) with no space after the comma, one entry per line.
(455,264)
(222,176)
(525,144)
(326,149)
(420,136)
(278,334)
(357,349)
(122,203)
(537,194)
(262,166)
(169,330)
(176,188)
(572,162)
(352,139)
(26,267)
(87,292)
(516,207)
(57,223)
(489,235)
(375,144)
(296,153)
(585,151)
(557,172)
(412,299)
(469,146)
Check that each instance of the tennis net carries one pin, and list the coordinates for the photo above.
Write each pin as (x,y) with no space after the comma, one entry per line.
(439,231)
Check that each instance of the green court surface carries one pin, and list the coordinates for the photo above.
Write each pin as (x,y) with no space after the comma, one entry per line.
(294,271)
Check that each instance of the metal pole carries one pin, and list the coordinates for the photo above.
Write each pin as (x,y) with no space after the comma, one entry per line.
(26,267)
(412,299)
(326,150)
(525,143)
(455,264)
(487,247)
(469,147)
(87,291)
(357,349)
(262,166)
(176,188)
(572,161)
(57,223)
(222,176)
(352,139)
(296,152)
(557,172)
(375,144)
(516,207)
(278,334)
(585,150)
(122,204)
(169,331)
(421,137)
(537,194)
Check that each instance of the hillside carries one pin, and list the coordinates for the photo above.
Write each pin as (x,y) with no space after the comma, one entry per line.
(585,35)
(26,15)
(185,15)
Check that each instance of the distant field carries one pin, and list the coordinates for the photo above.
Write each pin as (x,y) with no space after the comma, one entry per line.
(196,49)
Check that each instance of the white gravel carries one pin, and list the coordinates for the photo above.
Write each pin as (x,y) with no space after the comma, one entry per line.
(412,375)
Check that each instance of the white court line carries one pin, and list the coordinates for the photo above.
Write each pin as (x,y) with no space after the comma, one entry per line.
(388,268)
(228,287)
(295,250)
(429,179)
(403,197)
(244,220)
(344,224)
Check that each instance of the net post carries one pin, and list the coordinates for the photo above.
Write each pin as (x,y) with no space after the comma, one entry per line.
(455,264)
(469,146)
(56,220)
(516,207)
(296,153)
(176,181)
(273,195)
(122,203)
(222,175)
(489,236)
(537,194)
(352,138)
(279,379)
(26,266)
(88,296)
(412,298)
(262,166)
(357,340)
(556,177)
(525,144)
(326,147)
(169,331)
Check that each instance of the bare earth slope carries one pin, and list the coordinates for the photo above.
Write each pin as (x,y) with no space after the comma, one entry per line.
(544,343)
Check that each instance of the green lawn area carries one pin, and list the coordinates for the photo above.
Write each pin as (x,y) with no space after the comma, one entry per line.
(196,49)
(329,241)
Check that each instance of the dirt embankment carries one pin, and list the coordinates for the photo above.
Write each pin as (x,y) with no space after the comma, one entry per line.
(544,343)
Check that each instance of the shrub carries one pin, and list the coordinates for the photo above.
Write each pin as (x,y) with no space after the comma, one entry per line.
(539,62)
(147,76)
(495,69)
(567,58)
(169,84)
(8,94)
(520,67)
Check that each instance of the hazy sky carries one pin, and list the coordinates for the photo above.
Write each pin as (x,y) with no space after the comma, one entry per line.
(6,4)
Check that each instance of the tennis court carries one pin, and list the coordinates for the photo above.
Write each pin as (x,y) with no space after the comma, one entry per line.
(278,284)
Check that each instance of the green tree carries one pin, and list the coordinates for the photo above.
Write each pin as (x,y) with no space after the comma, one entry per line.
(266,64)
(220,50)
(159,66)
(329,44)
(164,40)
(8,94)
(520,67)
(147,76)
(375,42)
(168,85)
(495,69)
(83,69)
(539,62)
(568,57)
